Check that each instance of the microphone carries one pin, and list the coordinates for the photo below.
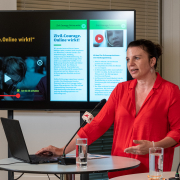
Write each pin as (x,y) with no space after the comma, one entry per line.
(87,117)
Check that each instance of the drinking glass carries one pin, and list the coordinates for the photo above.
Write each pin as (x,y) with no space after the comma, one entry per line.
(81,152)
(156,162)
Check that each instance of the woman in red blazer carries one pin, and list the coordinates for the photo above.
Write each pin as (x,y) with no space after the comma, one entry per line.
(145,112)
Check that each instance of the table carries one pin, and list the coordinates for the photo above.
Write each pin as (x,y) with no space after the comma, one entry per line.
(111,163)
(143,176)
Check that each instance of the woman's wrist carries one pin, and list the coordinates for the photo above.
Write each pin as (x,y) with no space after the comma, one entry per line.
(59,151)
(165,143)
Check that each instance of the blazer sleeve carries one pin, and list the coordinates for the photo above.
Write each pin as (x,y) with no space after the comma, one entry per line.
(103,120)
(174,116)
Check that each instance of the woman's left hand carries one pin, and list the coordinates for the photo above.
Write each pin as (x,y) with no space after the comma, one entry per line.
(141,149)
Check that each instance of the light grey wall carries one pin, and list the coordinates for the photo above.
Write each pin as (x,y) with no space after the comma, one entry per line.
(171,49)
(171,41)
(8,4)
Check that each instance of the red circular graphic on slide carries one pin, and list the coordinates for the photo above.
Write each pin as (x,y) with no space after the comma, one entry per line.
(99,38)
(18,95)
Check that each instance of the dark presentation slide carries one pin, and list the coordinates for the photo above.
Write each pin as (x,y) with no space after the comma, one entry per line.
(23,58)
(65,59)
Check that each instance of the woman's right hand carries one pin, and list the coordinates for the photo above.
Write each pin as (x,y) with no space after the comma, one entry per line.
(50,150)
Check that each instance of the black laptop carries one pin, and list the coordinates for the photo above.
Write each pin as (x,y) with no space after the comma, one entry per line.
(17,144)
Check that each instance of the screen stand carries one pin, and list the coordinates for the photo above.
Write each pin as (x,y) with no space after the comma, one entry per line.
(10,173)
(67,176)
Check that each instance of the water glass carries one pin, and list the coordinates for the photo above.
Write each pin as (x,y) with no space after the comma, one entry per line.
(81,152)
(156,162)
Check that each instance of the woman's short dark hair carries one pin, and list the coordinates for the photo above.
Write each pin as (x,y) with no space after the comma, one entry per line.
(14,65)
(153,50)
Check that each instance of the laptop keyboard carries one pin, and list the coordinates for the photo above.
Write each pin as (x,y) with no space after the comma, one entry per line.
(35,159)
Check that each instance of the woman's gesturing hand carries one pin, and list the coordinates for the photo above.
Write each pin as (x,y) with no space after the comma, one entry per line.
(141,149)
(50,150)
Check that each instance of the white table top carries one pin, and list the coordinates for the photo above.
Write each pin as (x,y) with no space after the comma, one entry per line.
(143,176)
(112,163)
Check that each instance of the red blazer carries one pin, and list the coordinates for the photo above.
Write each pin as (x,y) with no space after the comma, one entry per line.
(159,117)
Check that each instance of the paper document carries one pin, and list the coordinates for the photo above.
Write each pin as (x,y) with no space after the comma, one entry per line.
(90,156)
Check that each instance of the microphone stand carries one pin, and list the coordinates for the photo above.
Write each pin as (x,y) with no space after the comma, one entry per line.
(68,160)
(72,160)
(176,175)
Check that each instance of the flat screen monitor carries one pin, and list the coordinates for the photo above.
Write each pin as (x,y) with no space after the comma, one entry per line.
(62,59)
